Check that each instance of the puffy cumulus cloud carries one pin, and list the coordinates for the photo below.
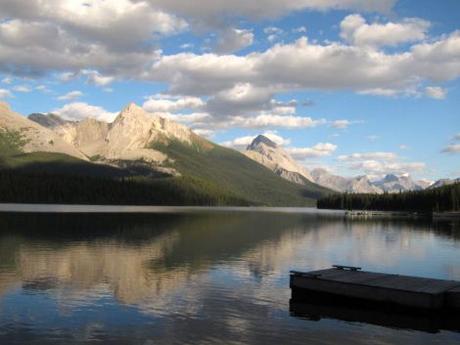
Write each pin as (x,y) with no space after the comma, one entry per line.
(453,148)
(78,111)
(4,93)
(241,143)
(161,103)
(303,65)
(95,78)
(70,96)
(379,168)
(356,31)
(209,10)
(241,98)
(380,163)
(318,150)
(92,77)
(242,106)
(37,37)
(232,40)
(436,92)
(118,25)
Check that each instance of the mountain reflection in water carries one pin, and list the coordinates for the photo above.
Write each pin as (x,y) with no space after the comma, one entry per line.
(205,277)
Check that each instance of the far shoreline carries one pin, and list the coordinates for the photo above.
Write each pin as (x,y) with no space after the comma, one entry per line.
(157,209)
(80,208)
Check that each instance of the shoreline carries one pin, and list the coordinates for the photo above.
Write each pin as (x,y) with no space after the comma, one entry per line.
(72,208)
(142,209)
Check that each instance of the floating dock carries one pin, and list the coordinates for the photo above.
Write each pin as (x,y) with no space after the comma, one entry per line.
(384,289)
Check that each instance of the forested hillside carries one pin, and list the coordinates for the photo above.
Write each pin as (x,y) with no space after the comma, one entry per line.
(442,199)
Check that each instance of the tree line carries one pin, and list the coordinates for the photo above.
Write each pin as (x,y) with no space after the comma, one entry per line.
(442,199)
(20,187)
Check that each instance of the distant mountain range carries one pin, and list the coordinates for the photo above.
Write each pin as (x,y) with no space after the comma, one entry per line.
(274,157)
(149,148)
(156,150)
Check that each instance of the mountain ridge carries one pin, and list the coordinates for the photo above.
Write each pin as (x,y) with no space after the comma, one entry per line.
(275,158)
(153,151)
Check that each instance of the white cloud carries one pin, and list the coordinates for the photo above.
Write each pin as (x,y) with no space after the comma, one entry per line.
(185,118)
(70,35)
(318,150)
(304,65)
(453,148)
(209,10)
(356,31)
(269,120)
(71,96)
(42,88)
(208,133)
(379,168)
(95,78)
(457,136)
(341,124)
(22,88)
(7,80)
(384,156)
(4,93)
(300,29)
(78,111)
(171,104)
(232,40)
(380,163)
(435,92)
(380,92)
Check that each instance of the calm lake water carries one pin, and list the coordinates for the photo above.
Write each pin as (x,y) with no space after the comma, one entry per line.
(200,277)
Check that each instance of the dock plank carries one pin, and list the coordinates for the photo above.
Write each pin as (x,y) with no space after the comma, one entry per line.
(381,287)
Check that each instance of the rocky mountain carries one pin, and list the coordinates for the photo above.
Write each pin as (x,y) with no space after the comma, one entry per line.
(266,152)
(161,156)
(359,184)
(126,139)
(48,120)
(393,184)
(444,182)
(275,158)
(28,136)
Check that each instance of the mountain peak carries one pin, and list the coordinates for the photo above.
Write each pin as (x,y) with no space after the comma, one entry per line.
(261,139)
(390,178)
(132,108)
(49,120)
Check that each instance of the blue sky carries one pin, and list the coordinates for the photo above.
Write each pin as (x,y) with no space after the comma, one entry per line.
(358,87)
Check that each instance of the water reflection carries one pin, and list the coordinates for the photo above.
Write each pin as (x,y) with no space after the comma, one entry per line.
(197,277)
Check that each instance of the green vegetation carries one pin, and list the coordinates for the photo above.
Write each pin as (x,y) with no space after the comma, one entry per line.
(11,142)
(210,175)
(232,171)
(446,198)
(54,188)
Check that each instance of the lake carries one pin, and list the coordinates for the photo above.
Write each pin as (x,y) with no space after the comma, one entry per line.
(200,276)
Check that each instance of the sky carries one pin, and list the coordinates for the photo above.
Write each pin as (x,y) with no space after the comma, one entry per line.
(353,86)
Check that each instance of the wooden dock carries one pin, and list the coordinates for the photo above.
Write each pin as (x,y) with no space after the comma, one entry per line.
(390,289)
